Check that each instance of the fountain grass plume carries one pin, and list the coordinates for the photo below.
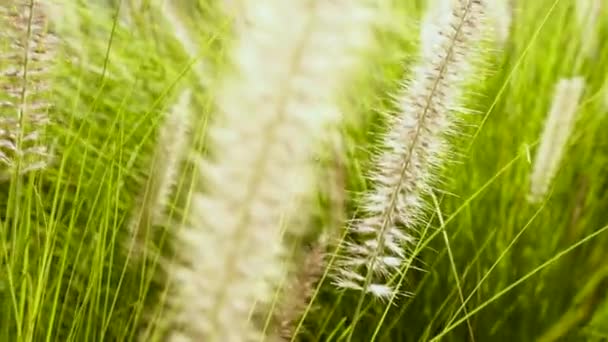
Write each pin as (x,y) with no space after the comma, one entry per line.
(558,128)
(172,147)
(26,55)
(413,150)
(289,60)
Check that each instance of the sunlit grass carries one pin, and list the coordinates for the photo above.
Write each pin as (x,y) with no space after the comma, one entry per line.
(488,265)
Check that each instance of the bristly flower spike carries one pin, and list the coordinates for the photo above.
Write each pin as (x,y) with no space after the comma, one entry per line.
(290,58)
(23,87)
(172,147)
(558,128)
(414,149)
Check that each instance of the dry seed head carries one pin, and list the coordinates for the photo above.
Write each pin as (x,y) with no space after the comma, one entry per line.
(413,150)
(26,55)
(290,59)
(558,128)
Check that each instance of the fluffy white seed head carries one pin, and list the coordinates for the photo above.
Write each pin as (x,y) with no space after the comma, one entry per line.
(24,87)
(498,14)
(172,146)
(437,13)
(413,149)
(289,57)
(558,128)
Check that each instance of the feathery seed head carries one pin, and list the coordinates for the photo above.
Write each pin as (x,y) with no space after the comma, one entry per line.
(414,147)
(27,50)
(558,128)
(289,58)
(170,151)
(499,17)
(500,14)
(172,147)
(436,14)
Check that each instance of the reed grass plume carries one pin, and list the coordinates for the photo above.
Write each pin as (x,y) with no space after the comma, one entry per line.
(27,52)
(414,148)
(558,128)
(172,147)
(289,61)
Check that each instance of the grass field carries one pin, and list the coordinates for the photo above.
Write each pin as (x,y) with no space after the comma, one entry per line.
(114,104)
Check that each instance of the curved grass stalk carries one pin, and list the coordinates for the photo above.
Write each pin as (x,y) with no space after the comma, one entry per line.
(519,281)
